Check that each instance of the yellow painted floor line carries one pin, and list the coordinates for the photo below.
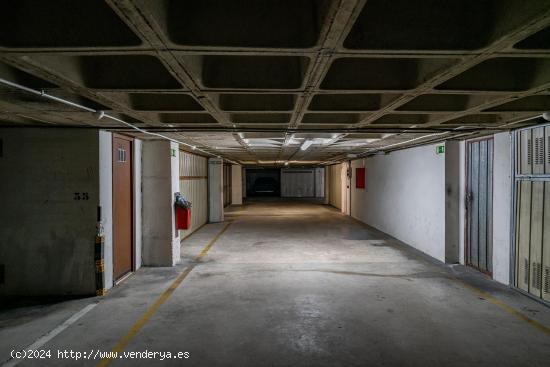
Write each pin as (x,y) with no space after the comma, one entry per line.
(503,306)
(119,347)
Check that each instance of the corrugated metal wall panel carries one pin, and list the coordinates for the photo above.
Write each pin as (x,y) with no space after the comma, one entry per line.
(335,185)
(532,226)
(193,165)
(480,213)
(298,183)
(194,186)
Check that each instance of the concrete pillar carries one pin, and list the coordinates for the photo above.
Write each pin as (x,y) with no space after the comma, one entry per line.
(236,185)
(452,202)
(215,189)
(160,180)
(502,197)
(244,183)
(327,185)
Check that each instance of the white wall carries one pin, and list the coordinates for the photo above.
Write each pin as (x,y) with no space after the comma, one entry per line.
(335,185)
(418,197)
(502,199)
(358,196)
(236,185)
(405,197)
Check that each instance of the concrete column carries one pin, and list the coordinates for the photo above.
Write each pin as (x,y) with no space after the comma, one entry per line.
(327,185)
(502,212)
(244,182)
(452,202)
(215,189)
(160,180)
(106,202)
(236,185)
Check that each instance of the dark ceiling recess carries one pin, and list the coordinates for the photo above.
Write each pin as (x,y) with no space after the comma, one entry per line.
(437,24)
(437,102)
(538,41)
(246,23)
(186,118)
(350,102)
(532,103)
(480,119)
(332,118)
(62,23)
(163,102)
(403,119)
(114,71)
(17,76)
(126,72)
(260,118)
(381,73)
(502,74)
(254,72)
(257,102)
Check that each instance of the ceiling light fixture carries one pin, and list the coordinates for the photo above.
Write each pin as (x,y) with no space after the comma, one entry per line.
(306,144)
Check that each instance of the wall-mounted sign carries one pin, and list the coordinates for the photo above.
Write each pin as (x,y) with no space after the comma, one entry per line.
(173,152)
(440,149)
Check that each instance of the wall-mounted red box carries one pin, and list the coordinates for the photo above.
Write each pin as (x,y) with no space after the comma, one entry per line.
(183,218)
(360,178)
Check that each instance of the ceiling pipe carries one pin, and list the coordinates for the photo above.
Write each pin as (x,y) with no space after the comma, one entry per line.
(99,114)
(293,131)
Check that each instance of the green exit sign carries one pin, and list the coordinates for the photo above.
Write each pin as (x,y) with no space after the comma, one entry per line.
(440,149)
(173,152)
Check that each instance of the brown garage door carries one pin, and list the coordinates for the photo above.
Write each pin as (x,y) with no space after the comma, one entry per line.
(122,205)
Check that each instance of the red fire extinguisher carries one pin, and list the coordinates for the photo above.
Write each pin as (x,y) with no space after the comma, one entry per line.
(183,212)
(183,218)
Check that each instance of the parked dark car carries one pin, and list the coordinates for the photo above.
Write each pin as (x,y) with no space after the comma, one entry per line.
(265,186)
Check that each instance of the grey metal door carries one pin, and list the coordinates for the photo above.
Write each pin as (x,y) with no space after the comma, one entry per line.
(532,203)
(479,205)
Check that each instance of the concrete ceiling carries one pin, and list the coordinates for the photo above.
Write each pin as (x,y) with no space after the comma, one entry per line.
(252,80)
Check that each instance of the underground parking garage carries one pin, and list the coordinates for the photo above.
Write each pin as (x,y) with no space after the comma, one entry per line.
(285,183)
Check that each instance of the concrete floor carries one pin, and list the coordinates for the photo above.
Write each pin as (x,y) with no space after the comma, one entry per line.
(298,284)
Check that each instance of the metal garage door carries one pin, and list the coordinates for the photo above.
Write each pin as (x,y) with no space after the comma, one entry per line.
(479,205)
(298,183)
(532,203)
(194,187)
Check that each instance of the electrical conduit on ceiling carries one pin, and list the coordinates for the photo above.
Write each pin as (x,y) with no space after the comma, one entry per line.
(100,114)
